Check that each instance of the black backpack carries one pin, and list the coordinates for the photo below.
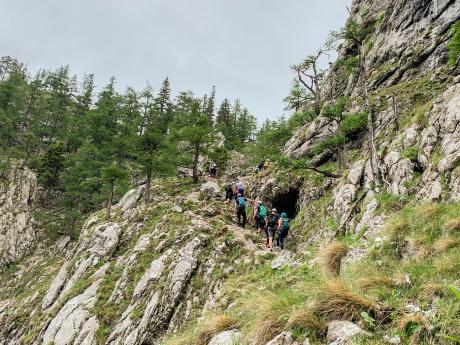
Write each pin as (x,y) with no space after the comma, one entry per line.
(271,220)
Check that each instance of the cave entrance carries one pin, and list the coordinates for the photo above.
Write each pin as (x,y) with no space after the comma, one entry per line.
(287,202)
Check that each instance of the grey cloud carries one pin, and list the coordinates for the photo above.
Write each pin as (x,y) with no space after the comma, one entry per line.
(243,47)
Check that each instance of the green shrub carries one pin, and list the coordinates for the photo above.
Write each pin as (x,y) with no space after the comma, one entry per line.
(349,64)
(353,124)
(411,153)
(454,44)
(330,143)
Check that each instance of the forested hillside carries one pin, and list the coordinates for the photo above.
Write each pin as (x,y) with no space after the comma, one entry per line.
(88,146)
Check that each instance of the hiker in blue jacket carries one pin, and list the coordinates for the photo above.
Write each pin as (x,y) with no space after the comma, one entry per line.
(241,210)
(283,229)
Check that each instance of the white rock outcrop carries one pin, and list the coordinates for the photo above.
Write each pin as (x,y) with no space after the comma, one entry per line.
(231,337)
(18,231)
(342,332)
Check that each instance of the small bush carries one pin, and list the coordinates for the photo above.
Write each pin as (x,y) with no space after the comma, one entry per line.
(454,44)
(410,153)
(202,332)
(330,144)
(353,124)
(390,202)
(305,318)
(349,64)
(415,327)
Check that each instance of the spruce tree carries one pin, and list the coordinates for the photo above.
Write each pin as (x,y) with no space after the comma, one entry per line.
(192,126)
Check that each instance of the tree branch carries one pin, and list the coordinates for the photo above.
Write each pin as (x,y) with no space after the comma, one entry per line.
(325,173)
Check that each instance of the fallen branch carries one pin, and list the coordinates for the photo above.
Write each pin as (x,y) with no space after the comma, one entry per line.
(325,173)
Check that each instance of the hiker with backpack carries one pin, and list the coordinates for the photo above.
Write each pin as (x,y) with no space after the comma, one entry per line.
(272,225)
(283,229)
(260,212)
(228,193)
(240,188)
(241,210)
(213,170)
(235,190)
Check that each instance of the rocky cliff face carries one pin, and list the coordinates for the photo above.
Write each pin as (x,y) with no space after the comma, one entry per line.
(18,231)
(416,96)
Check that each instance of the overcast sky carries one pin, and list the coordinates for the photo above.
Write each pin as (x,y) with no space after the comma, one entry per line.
(244,47)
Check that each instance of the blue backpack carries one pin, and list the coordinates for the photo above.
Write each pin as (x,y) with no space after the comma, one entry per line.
(262,211)
(241,202)
(285,223)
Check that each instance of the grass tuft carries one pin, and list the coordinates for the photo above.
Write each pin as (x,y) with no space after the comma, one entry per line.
(331,257)
(377,282)
(444,244)
(305,318)
(270,314)
(453,225)
(340,302)
(415,327)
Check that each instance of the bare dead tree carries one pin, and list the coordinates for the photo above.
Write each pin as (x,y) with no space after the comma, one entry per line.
(311,76)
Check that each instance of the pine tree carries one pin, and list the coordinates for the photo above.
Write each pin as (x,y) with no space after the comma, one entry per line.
(210,105)
(163,106)
(193,127)
(223,115)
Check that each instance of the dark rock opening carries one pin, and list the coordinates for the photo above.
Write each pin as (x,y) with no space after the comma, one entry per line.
(287,202)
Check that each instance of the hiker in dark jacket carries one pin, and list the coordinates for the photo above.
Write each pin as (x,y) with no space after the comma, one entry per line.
(213,169)
(283,229)
(228,193)
(260,166)
(241,210)
(272,225)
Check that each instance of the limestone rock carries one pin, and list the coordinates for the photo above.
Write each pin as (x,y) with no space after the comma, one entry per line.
(74,321)
(284,338)
(177,209)
(152,274)
(285,257)
(395,340)
(370,220)
(130,200)
(342,332)
(411,136)
(231,337)
(399,171)
(18,231)
(210,190)
(431,188)
(306,138)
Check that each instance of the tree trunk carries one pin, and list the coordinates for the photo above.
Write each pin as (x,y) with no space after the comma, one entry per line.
(147,187)
(195,162)
(395,111)
(370,123)
(318,105)
(341,158)
(109,201)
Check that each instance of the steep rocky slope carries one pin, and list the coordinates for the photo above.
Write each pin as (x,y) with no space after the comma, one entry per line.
(130,279)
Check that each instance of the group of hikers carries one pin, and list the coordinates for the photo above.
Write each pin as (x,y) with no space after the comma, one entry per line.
(265,220)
